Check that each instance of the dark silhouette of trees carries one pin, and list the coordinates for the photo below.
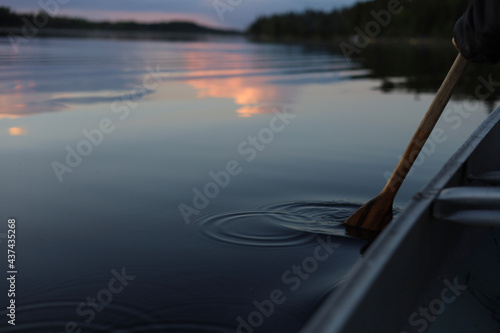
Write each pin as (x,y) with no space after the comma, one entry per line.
(10,19)
(422,18)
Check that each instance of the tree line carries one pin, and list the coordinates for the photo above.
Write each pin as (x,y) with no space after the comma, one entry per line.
(11,19)
(422,18)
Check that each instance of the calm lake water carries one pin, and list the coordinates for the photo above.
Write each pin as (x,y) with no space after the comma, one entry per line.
(199,186)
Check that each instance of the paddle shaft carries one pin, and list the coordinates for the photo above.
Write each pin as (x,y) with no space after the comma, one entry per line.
(426,126)
(376,213)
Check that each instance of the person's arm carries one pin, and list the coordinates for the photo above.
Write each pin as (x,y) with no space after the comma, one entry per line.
(477,32)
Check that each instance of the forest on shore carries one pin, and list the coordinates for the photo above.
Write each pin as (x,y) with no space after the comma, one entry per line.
(42,19)
(375,18)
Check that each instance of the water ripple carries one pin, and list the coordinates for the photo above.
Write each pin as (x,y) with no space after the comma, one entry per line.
(277,225)
(253,228)
(316,217)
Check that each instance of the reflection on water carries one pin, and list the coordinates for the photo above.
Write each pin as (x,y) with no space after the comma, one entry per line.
(232,71)
(17,131)
(422,68)
(246,93)
(245,78)
(227,70)
(118,206)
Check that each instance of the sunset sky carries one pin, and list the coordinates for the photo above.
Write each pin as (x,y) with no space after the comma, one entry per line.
(202,11)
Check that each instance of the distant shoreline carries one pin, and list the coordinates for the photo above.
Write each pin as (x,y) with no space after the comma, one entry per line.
(341,39)
(120,34)
(177,35)
(43,24)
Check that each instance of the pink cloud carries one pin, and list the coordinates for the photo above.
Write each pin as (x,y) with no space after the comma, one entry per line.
(99,15)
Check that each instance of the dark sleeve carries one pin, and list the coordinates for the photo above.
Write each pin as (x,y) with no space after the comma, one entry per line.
(477,32)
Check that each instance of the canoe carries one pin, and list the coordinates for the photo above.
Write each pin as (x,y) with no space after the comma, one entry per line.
(436,267)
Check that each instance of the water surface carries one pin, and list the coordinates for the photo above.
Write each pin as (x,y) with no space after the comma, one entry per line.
(213,175)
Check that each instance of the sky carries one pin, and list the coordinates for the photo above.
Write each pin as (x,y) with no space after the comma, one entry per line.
(229,13)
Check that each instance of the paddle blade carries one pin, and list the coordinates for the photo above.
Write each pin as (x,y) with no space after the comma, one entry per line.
(373,215)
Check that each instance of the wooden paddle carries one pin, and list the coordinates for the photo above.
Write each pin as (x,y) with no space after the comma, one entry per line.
(377,213)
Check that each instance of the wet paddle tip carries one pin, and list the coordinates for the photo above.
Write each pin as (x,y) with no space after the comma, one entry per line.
(373,215)
(361,233)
